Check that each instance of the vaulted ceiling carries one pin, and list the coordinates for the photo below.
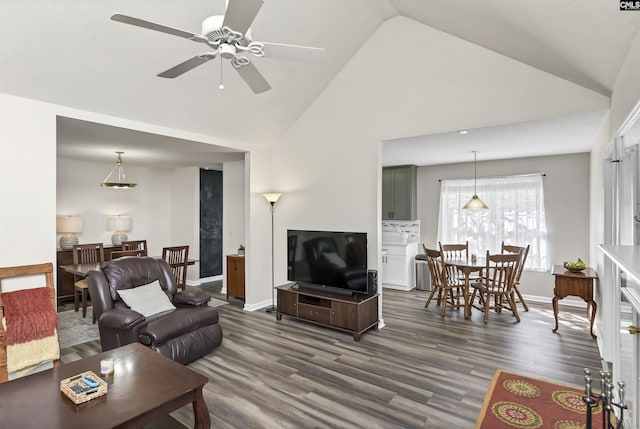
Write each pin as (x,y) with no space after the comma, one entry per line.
(70,53)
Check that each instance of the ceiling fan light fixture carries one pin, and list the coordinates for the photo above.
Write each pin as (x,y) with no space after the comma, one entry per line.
(475,203)
(117,178)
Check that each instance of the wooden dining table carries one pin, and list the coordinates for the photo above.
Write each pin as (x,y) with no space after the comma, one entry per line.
(467,266)
(82,269)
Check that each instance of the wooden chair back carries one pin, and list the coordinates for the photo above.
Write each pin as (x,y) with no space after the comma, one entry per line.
(436,268)
(22,271)
(454,251)
(500,272)
(88,253)
(120,253)
(178,259)
(522,251)
(135,245)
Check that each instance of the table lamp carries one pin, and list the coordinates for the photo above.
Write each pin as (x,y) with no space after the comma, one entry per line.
(119,224)
(68,226)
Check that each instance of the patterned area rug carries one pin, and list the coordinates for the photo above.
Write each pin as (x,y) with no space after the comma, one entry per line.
(516,401)
(73,329)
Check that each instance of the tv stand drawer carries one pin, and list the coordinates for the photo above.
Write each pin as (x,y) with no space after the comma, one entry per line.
(314,313)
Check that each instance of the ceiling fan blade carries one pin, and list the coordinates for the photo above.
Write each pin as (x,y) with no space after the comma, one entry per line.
(240,14)
(184,67)
(294,52)
(253,77)
(156,27)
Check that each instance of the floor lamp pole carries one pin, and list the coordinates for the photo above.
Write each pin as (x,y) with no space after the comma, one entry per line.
(272,309)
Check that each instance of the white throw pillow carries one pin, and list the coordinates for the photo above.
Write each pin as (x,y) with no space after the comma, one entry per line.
(147,300)
(334,259)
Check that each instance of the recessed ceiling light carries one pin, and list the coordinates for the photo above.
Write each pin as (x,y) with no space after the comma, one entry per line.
(463,132)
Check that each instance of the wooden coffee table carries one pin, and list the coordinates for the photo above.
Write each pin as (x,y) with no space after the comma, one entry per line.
(144,388)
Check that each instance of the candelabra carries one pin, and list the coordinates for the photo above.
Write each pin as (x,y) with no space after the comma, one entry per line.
(610,420)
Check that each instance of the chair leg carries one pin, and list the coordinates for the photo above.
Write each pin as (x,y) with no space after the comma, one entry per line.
(76,300)
(513,307)
(430,297)
(487,302)
(444,305)
(520,299)
(84,303)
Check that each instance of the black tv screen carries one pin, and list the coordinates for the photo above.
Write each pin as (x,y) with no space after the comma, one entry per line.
(328,260)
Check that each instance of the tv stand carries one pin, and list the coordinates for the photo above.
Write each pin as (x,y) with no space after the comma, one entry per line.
(355,314)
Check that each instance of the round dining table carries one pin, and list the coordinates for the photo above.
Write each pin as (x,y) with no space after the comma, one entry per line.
(467,266)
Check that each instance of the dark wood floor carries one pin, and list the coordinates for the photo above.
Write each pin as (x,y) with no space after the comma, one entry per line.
(420,371)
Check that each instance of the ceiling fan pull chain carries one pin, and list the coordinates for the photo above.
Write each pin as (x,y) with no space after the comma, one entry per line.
(221,84)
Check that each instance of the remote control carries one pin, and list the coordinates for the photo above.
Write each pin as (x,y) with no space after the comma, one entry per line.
(90,382)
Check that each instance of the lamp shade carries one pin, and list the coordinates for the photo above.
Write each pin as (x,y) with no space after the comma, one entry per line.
(475,203)
(69,224)
(271,197)
(119,223)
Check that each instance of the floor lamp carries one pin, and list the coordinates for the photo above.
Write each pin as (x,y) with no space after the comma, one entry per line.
(272,198)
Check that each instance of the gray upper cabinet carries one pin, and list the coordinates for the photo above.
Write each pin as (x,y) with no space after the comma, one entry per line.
(399,192)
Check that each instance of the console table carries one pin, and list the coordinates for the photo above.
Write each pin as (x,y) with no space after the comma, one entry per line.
(575,284)
(355,314)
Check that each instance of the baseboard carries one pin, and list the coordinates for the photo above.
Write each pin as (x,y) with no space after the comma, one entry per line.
(257,306)
(397,287)
(569,302)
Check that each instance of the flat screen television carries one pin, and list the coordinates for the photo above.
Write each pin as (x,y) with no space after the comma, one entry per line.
(331,261)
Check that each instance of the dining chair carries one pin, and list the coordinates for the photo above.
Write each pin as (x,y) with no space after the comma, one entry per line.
(115,254)
(90,253)
(523,251)
(454,251)
(178,259)
(497,282)
(135,245)
(448,290)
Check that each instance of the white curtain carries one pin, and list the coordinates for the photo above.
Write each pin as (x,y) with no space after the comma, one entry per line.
(515,215)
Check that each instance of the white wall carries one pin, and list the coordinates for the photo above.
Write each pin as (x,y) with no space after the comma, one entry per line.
(28,179)
(233,191)
(27,182)
(327,166)
(184,215)
(149,204)
(566,199)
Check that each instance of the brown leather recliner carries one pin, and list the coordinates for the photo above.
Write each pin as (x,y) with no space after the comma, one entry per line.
(184,334)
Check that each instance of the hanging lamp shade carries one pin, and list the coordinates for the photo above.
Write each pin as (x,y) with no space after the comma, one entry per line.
(117,178)
(475,203)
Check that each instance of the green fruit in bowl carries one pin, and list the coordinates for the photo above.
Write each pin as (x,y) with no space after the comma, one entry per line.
(579,265)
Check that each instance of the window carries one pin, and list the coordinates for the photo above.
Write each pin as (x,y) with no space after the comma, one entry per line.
(516,215)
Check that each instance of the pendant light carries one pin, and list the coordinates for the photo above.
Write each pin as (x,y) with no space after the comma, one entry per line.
(475,203)
(117,178)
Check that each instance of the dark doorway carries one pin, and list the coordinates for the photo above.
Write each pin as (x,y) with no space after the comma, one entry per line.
(210,223)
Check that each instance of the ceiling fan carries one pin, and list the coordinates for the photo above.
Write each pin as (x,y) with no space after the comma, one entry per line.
(229,36)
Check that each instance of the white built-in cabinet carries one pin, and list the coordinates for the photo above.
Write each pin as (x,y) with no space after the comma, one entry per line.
(398,266)
(619,292)
(399,192)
